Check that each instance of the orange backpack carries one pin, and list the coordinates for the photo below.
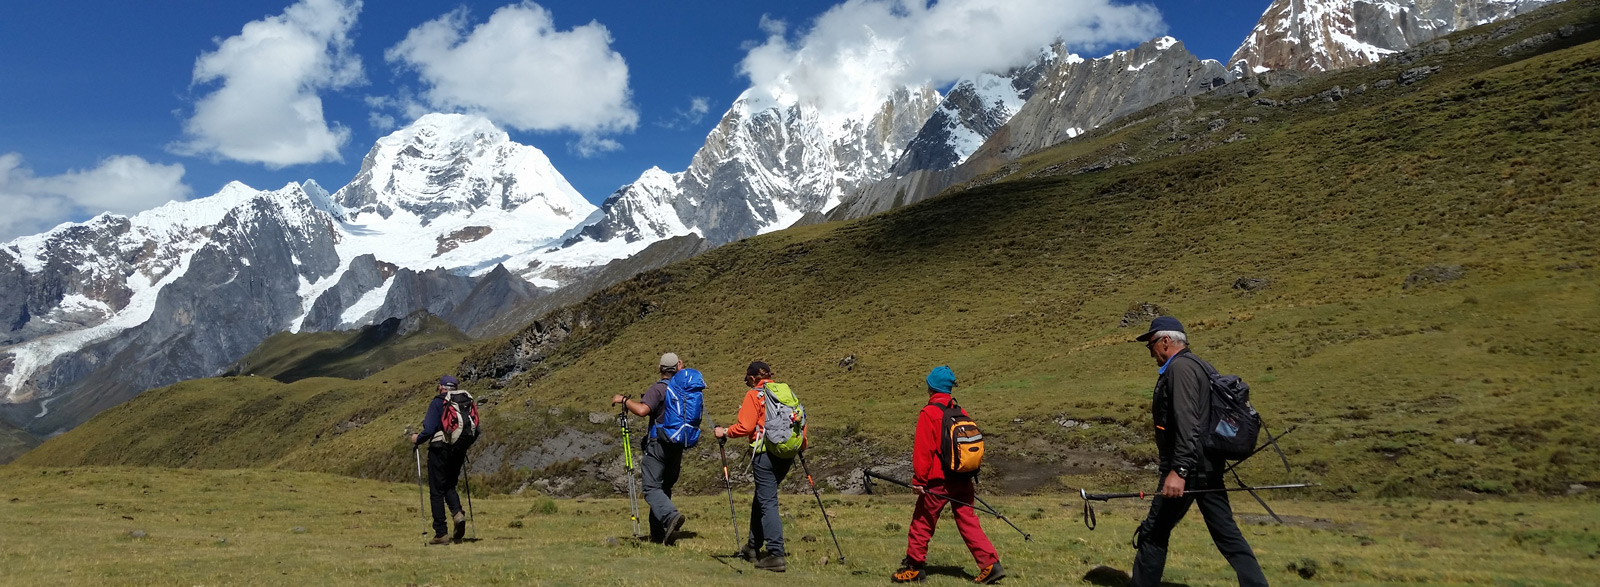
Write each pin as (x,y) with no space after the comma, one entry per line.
(961,453)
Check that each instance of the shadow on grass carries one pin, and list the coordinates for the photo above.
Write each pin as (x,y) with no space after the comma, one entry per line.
(948,571)
(1109,577)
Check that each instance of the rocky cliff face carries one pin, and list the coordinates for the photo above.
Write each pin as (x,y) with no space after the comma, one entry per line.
(1067,96)
(1326,35)
(973,110)
(765,165)
(213,305)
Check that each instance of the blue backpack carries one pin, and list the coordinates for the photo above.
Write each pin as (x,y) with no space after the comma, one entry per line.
(679,422)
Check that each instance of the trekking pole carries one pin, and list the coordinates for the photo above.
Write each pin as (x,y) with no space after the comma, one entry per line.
(818,495)
(1272,441)
(466,473)
(869,475)
(1088,510)
(722,447)
(422,506)
(627,462)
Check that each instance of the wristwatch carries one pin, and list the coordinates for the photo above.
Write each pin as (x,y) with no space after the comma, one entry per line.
(1183,472)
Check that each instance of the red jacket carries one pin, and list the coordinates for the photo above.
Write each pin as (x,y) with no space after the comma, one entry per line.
(925,466)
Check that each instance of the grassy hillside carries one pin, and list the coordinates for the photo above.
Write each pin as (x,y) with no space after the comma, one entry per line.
(14,442)
(75,526)
(1406,273)
(354,354)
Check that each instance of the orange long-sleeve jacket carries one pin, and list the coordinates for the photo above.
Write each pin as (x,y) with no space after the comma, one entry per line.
(752,413)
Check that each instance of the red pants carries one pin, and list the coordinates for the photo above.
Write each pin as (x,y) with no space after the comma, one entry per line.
(926,516)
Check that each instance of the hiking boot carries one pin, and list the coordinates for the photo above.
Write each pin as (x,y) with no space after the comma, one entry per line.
(671,527)
(749,553)
(440,540)
(772,562)
(910,572)
(991,574)
(461,527)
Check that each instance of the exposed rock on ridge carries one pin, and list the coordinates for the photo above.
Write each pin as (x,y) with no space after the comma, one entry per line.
(1327,35)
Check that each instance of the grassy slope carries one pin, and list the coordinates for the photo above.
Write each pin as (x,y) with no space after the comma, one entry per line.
(14,442)
(290,356)
(1484,384)
(71,526)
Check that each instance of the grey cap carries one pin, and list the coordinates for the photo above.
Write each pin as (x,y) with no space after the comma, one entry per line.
(669,360)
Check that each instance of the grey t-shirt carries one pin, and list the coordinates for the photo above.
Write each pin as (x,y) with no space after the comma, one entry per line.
(654,398)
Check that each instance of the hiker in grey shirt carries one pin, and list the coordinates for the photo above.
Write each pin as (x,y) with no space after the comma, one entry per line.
(662,460)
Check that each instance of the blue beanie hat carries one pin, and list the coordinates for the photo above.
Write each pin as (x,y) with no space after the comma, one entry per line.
(941,379)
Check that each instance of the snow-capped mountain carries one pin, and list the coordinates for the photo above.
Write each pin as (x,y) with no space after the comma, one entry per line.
(771,160)
(1326,35)
(972,111)
(441,211)
(1066,96)
(121,304)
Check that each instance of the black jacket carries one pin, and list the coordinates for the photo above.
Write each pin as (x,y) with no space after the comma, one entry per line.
(1179,407)
(433,421)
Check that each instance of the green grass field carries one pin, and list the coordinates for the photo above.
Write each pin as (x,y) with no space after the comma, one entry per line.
(238,527)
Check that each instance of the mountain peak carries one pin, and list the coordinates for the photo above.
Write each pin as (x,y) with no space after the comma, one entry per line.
(1326,35)
(446,164)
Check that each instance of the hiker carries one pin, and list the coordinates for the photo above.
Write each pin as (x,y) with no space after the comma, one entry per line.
(663,460)
(449,433)
(933,480)
(769,462)
(1179,408)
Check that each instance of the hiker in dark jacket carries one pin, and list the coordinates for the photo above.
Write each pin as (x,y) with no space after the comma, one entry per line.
(444,465)
(931,482)
(662,461)
(1179,407)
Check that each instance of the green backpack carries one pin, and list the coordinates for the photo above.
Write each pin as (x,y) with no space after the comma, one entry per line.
(783,430)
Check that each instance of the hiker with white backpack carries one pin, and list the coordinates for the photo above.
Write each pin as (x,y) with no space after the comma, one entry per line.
(450,427)
(775,422)
(673,405)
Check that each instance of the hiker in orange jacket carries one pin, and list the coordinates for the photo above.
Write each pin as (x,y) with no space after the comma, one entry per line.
(932,483)
(768,469)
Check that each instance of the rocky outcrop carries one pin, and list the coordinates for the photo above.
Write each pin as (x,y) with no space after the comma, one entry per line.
(495,293)
(436,291)
(1327,35)
(366,273)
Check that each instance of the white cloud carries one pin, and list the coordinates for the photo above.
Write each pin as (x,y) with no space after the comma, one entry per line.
(699,106)
(590,145)
(267,109)
(854,54)
(123,184)
(518,70)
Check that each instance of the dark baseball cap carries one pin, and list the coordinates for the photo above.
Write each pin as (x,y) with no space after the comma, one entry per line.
(449,381)
(1163,323)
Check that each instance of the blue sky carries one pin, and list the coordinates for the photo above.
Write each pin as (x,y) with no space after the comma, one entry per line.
(92,91)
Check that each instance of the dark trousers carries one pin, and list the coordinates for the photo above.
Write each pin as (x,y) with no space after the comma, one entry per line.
(661,464)
(444,468)
(1165,514)
(765,525)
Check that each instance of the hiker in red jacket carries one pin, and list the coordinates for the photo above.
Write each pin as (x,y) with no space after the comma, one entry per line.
(932,482)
